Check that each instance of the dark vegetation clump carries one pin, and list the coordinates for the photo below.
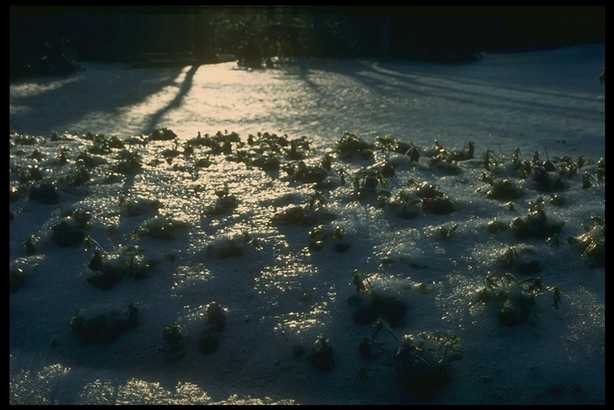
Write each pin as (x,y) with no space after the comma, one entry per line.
(162,134)
(302,215)
(266,150)
(110,267)
(445,232)
(19,271)
(547,181)
(519,259)
(425,190)
(391,144)
(29,173)
(440,206)
(557,200)
(446,161)
(161,227)
(215,317)
(404,204)
(45,193)
(384,168)
(32,244)
(496,226)
(298,149)
(321,355)
(225,203)
(17,278)
(432,199)
(536,224)
(373,304)
(78,175)
(422,361)
(321,235)
(232,245)
(591,244)
(103,144)
(503,190)
(71,230)
(138,206)
(129,162)
(90,161)
(220,143)
(174,343)
(24,139)
(106,327)
(15,191)
(305,174)
(350,147)
(445,166)
(512,298)
(368,182)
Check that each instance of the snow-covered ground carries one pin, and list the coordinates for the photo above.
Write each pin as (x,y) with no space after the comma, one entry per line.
(281,293)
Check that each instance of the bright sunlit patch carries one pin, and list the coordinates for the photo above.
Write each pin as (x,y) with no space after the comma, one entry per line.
(33,89)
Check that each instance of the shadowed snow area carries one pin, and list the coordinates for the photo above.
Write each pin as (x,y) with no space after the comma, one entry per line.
(281,280)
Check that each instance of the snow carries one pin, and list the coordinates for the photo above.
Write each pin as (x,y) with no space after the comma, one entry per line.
(281,293)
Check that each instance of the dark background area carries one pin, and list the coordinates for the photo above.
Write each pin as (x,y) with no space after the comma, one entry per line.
(49,40)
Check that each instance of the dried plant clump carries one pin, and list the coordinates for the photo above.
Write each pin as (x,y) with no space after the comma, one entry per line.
(321,355)
(433,200)
(404,204)
(425,190)
(77,176)
(302,215)
(512,298)
(350,146)
(106,327)
(15,191)
(368,181)
(110,267)
(591,244)
(20,269)
(162,134)
(215,318)
(161,227)
(557,200)
(441,206)
(504,190)
(136,206)
(519,259)
(536,224)
(225,203)
(17,278)
(45,193)
(71,229)
(320,235)
(24,139)
(103,144)
(232,245)
(305,174)
(545,181)
(391,144)
(373,304)
(129,162)
(422,361)
(495,226)
(174,343)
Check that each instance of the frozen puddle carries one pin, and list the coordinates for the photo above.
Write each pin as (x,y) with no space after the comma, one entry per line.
(272,228)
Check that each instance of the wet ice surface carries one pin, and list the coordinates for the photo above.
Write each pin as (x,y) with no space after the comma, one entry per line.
(280,293)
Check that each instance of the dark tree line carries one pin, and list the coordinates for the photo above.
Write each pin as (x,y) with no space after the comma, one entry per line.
(47,39)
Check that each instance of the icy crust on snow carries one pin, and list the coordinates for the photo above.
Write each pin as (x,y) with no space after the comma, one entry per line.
(278,292)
